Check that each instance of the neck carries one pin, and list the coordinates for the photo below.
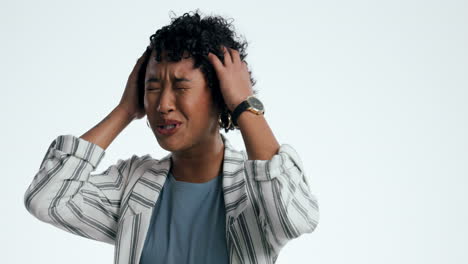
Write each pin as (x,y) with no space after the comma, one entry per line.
(201,162)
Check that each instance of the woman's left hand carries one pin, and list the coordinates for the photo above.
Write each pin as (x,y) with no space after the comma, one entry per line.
(233,76)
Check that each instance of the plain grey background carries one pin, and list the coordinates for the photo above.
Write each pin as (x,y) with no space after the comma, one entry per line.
(372,94)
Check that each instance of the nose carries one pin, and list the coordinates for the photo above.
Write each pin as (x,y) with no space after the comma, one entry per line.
(166,101)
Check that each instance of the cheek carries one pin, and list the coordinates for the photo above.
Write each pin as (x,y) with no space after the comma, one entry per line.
(201,110)
(149,102)
(145,101)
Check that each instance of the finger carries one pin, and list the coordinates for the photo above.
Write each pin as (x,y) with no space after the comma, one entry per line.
(145,54)
(147,51)
(227,56)
(217,64)
(235,56)
(244,64)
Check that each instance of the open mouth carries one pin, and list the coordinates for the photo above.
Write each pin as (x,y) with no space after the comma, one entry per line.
(168,129)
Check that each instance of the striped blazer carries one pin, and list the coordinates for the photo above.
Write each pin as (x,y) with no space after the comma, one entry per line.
(268,202)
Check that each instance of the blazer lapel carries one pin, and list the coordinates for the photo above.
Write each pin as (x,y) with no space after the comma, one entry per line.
(136,214)
(145,192)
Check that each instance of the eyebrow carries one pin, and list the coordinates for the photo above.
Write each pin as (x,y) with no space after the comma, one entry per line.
(156,79)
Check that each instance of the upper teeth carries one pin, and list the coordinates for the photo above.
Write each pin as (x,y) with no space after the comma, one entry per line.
(169,126)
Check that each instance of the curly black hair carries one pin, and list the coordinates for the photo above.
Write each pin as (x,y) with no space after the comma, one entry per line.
(197,36)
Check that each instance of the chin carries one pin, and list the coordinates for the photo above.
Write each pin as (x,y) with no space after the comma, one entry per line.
(169,144)
(166,145)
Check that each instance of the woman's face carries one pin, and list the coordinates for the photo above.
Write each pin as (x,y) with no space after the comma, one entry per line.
(177,91)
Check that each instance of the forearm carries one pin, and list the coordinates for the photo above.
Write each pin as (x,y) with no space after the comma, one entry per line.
(259,140)
(287,212)
(109,128)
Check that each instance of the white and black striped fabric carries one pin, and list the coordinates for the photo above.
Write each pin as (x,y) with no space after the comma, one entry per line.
(268,202)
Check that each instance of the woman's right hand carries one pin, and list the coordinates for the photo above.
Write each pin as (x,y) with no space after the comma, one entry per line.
(132,98)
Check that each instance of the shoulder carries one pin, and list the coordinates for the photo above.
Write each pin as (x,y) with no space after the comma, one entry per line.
(138,162)
(133,165)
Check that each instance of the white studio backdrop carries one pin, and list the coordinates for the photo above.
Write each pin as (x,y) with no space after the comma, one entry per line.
(372,94)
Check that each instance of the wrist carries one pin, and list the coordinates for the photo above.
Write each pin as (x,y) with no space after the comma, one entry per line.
(232,106)
(250,104)
(127,114)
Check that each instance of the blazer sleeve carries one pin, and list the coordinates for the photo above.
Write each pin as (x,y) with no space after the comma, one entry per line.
(65,194)
(287,206)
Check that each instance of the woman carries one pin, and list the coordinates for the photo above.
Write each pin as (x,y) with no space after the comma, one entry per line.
(204,202)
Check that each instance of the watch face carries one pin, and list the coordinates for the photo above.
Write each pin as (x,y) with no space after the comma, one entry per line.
(255,103)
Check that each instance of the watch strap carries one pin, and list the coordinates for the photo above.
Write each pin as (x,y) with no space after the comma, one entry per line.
(238,110)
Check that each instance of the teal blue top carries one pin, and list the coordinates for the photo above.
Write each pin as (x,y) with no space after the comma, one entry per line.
(187,224)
